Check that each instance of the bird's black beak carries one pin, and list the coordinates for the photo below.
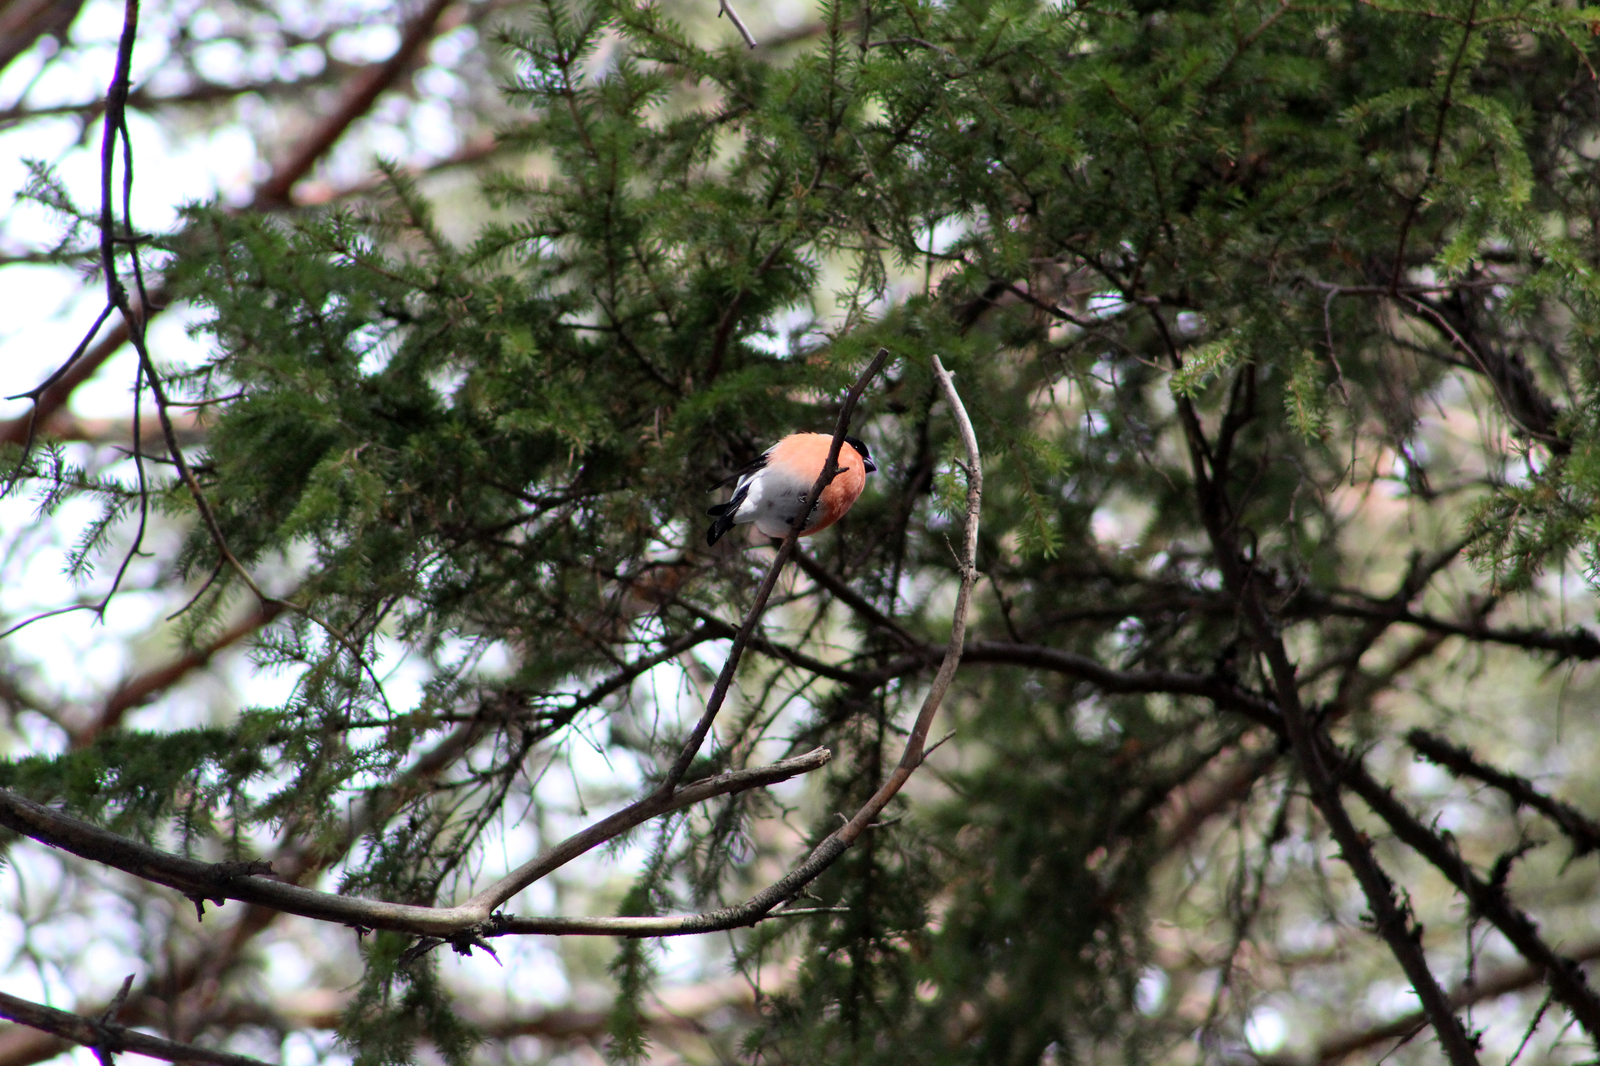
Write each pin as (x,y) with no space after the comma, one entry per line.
(869,464)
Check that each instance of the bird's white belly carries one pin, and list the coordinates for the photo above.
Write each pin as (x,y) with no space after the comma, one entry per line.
(773,507)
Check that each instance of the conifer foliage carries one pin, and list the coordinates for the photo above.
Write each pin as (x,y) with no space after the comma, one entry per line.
(1275,323)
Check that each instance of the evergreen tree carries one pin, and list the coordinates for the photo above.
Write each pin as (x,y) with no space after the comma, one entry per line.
(1276,327)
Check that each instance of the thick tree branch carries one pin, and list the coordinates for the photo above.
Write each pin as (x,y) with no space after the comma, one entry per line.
(1391,915)
(294,863)
(792,656)
(1213,687)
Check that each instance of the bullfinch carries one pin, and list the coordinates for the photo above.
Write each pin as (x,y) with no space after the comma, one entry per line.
(771,491)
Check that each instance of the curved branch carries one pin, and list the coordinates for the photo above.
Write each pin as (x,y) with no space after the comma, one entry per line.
(217,882)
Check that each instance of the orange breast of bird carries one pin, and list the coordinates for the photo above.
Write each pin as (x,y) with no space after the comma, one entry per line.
(808,452)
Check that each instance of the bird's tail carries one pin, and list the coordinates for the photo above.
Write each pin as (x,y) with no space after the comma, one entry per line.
(724,514)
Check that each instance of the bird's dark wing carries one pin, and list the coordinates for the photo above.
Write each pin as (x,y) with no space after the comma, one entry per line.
(723,513)
(743,471)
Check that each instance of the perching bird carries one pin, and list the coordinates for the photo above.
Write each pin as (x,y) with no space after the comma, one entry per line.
(772,490)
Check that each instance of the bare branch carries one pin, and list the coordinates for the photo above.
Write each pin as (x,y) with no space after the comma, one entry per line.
(105,1036)
(726,8)
(73,373)
(1583,831)
(295,863)
(1487,898)
(1209,686)
(1520,396)
(912,757)
(218,882)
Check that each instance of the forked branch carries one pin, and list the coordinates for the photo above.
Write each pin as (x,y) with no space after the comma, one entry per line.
(217,882)
(477,917)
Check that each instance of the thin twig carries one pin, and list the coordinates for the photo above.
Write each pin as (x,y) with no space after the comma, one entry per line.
(733,16)
(25,430)
(117,294)
(634,814)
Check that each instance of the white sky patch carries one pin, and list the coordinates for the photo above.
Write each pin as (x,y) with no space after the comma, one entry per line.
(1266,1030)
(1151,992)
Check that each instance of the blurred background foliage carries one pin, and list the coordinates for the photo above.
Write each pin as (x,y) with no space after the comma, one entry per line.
(487,294)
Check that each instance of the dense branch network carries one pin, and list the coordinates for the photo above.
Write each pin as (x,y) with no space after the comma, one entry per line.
(1278,715)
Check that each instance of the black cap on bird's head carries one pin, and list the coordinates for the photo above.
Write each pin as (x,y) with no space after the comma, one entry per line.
(861,450)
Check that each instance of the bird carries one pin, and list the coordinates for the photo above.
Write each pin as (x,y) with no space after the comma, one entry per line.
(771,491)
